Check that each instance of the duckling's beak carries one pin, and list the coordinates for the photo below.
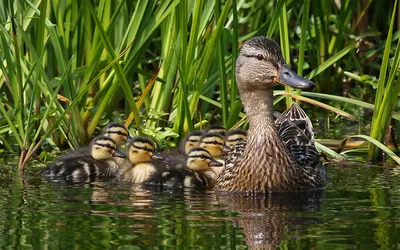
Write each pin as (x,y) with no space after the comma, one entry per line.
(226,149)
(289,78)
(157,156)
(215,163)
(119,154)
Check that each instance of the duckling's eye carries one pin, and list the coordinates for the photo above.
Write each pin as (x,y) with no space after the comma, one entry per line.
(260,57)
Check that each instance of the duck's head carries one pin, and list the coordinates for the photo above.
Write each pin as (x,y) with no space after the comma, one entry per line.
(117,131)
(216,129)
(260,65)
(103,148)
(199,159)
(141,149)
(234,136)
(191,140)
(214,143)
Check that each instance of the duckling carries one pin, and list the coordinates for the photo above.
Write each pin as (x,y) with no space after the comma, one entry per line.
(191,140)
(174,155)
(96,160)
(117,131)
(234,136)
(216,129)
(140,151)
(189,173)
(215,144)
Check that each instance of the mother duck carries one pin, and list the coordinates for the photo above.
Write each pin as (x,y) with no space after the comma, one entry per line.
(277,155)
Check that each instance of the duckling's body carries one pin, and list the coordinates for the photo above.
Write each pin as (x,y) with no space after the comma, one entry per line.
(269,160)
(191,173)
(141,150)
(86,164)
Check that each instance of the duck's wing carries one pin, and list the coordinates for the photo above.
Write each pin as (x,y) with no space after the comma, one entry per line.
(299,142)
(297,115)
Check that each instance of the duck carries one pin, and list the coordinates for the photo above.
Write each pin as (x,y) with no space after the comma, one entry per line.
(270,159)
(88,163)
(117,131)
(189,173)
(215,144)
(141,151)
(216,129)
(234,136)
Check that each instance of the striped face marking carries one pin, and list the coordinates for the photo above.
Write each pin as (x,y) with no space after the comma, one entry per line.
(198,159)
(191,142)
(232,139)
(214,143)
(141,150)
(119,134)
(103,148)
(216,129)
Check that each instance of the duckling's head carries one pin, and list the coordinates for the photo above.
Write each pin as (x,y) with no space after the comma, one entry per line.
(191,140)
(214,143)
(117,131)
(103,148)
(199,159)
(260,65)
(216,129)
(234,136)
(141,149)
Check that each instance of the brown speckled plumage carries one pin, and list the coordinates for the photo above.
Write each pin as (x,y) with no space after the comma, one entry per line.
(275,157)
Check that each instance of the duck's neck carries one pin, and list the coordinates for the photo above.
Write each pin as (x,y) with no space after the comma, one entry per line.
(258,106)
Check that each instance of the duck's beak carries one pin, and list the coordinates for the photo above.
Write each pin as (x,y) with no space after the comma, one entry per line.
(119,154)
(215,163)
(289,78)
(157,156)
(226,149)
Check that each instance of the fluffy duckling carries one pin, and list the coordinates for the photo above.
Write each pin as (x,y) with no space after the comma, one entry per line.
(234,136)
(191,140)
(189,173)
(215,144)
(96,160)
(216,129)
(117,131)
(141,151)
(178,154)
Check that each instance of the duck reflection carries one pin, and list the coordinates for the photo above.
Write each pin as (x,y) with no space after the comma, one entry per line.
(266,220)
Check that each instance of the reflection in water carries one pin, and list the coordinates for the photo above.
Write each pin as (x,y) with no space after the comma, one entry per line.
(265,220)
(359,209)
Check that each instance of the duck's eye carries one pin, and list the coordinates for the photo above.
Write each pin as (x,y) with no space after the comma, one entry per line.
(260,57)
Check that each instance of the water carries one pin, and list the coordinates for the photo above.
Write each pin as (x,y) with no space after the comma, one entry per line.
(359,209)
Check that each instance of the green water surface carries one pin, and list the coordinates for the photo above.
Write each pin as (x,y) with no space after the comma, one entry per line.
(359,209)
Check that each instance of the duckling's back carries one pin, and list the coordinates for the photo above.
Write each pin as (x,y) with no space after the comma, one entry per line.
(79,167)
